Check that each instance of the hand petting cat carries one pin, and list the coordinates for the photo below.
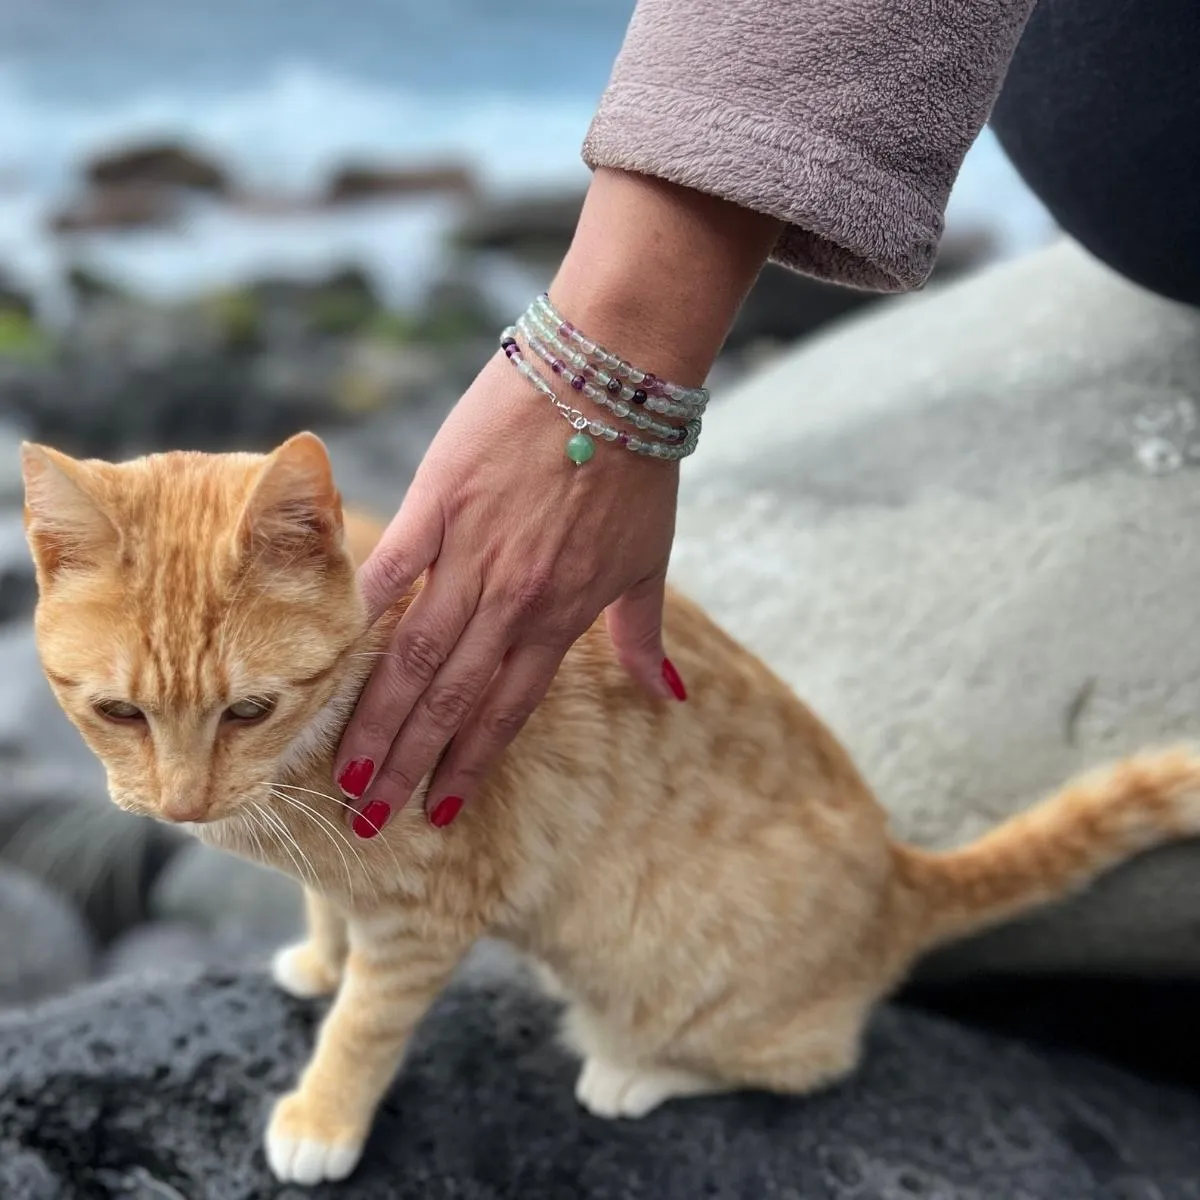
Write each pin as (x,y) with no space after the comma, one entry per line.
(521,558)
(522,548)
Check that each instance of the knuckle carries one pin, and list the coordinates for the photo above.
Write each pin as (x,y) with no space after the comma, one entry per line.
(447,707)
(419,656)
(641,651)
(391,576)
(502,724)
(373,734)
(531,594)
(393,783)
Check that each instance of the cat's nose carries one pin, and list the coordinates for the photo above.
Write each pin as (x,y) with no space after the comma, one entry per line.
(182,807)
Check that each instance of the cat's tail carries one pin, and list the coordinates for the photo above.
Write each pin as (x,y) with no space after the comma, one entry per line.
(1057,847)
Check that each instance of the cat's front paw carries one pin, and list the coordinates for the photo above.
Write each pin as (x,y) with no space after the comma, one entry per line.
(304,973)
(309,1142)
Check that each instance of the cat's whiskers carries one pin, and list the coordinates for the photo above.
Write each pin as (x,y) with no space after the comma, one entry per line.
(350,809)
(284,836)
(243,815)
(326,826)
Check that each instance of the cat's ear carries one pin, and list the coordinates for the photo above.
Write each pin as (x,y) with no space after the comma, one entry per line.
(294,509)
(64,522)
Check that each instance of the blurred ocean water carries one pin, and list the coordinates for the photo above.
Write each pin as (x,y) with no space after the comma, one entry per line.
(282,92)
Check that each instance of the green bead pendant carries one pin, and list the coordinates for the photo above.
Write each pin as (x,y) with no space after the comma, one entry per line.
(580,449)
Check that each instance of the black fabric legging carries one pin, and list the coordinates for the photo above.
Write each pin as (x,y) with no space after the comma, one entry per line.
(1100,114)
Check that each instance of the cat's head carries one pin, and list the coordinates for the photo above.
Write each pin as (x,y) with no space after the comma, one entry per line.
(195,612)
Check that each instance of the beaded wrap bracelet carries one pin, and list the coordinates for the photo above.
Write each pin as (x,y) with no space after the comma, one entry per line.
(609,377)
(692,401)
(580,383)
(580,447)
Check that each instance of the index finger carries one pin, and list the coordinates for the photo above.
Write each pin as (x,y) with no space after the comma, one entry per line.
(408,545)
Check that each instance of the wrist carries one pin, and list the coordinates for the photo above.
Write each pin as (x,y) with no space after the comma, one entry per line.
(657,272)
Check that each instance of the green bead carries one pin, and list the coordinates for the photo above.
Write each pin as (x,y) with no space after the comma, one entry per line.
(580,448)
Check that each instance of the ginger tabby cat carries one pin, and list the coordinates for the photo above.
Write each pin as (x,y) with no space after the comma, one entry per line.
(710,885)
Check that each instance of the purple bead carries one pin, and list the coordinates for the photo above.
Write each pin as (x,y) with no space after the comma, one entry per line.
(511,351)
(564,330)
(650,383)
(614,387)
(508,342)
(622,439)
(577,383)
(557,366)
(639,397)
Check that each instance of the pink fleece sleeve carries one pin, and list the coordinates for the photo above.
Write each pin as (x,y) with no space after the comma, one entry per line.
(848,119)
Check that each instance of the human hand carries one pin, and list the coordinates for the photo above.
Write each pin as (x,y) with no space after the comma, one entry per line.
(526,550)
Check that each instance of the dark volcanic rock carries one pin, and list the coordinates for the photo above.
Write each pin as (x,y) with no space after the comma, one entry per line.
(162,164)
(361,182)
(17,588)
(117,206)
(122,1091)
(536,228)
(44,947)
(103,862)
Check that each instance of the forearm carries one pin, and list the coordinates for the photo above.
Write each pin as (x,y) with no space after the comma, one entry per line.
(846,119)
(658,272)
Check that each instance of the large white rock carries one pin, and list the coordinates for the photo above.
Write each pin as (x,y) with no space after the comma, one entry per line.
(966,528)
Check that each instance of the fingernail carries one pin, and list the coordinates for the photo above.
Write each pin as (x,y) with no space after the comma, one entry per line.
(445,811)
(372,818)
(672,680)
(355,776)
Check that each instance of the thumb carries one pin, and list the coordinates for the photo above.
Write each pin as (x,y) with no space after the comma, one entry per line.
(635,626)
(409,544)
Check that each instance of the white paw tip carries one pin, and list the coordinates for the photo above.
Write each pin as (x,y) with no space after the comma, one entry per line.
(291,971)
(307,1162)
(600,1087)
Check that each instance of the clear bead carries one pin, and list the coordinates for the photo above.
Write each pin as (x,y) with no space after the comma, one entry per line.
(642,421)
(621,409)
(609,434)
(635,443)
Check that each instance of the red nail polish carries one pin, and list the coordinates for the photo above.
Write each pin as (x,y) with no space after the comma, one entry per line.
(355,776)
(672,680)
(445,811)
(371,820)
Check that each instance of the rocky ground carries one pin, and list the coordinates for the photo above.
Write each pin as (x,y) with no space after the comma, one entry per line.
(160,1092)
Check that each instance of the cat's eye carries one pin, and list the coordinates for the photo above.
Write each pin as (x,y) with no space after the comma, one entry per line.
(249,710)
(119,710)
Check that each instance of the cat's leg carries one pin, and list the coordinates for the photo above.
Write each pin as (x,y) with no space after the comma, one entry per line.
(313,967)
(614,1083)
(317,1132)
(819,1046)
